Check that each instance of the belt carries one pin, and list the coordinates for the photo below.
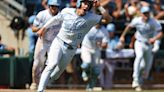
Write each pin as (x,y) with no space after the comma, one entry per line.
(70,47)
(144,42)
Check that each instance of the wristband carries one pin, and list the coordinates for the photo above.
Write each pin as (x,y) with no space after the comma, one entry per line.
(101,9)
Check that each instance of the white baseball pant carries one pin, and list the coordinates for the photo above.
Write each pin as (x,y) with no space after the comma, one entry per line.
(41,49)
(58,58)
(143,52)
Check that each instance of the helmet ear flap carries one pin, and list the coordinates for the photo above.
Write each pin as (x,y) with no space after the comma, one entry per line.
(78,3)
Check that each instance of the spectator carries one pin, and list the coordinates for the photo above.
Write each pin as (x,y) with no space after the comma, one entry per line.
(73,3)
(44,4)
(5,47)
(114,7)
(158,11)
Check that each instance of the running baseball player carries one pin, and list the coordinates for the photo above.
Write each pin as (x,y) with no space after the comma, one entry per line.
(76,22)
(43,44)
(94,41)
(146,27)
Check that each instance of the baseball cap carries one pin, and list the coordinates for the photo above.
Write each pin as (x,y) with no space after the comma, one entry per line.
(145,9)
(111,27)
(54,2)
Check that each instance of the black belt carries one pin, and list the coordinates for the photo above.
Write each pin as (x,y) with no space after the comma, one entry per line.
(67,45)
(144,42)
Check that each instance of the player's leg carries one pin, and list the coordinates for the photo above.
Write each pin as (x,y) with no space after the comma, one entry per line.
(109,73)
(95,69)
(54,57)
(102,73)
(149,62)
(39,52)
(61,66)
(86,61)
(139,51)
(142,68)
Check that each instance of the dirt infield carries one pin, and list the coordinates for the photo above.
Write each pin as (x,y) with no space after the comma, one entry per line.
(79,90)
(52,90)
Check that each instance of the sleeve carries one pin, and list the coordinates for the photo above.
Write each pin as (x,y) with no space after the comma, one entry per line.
(38,20)
(134,22)
(105,36)
(157,25)
(95,18)
(54,20)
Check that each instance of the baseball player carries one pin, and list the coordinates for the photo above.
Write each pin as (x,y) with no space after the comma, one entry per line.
(108,66)
(146,70)
(76,22)
(43,44)
(95,40)
(146,27)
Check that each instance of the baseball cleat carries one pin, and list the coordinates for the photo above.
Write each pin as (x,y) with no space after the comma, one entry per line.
(138,89)
(135,84)
(33,86)
(84,76)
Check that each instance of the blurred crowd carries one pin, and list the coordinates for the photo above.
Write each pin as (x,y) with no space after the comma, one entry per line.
(122,11)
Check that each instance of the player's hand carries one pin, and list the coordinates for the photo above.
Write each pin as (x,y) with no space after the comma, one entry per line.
(122,39)
(131,45)
(120,45)
(96,3)
(40,33)
(151,40)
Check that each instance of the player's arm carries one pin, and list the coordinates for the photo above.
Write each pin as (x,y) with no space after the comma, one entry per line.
(122,37)
(131,45)
(35,29)
(38,22)
(53,21)
(105,39)
(106,17)
(157,37)
(121,42)
(158,29)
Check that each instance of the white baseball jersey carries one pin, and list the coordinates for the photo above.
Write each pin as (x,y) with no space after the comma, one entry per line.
(72,32)
(145,30)
(93,36)
(74,27)
(143,50)
(41,18)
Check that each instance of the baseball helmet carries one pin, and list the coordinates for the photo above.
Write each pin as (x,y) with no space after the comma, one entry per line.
(78,3)
(54,2)
(111,27)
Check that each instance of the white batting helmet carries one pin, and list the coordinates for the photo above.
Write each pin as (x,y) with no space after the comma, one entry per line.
(54,2)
